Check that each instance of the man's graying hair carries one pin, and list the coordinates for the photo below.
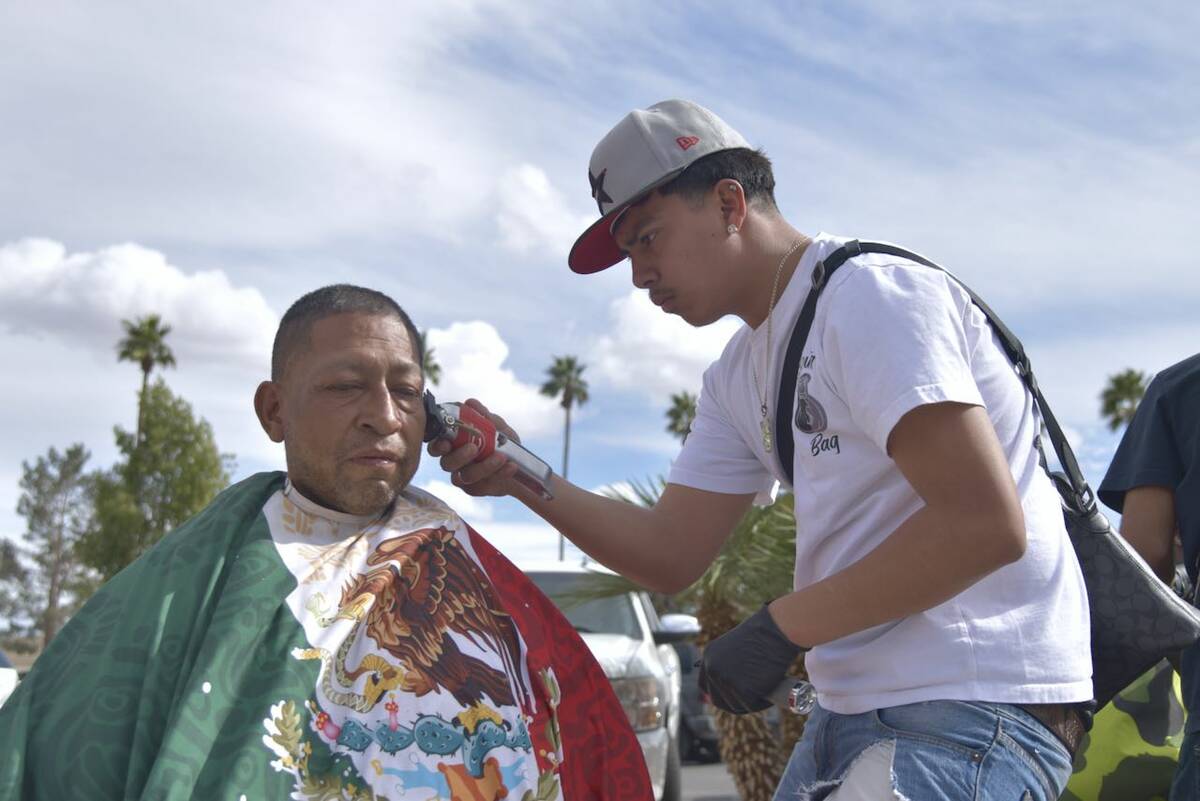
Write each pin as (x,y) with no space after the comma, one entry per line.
(327,301)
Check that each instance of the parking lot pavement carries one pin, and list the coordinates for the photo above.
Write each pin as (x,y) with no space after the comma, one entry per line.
(707,783)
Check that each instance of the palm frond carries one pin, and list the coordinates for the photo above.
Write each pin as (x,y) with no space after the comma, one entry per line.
(756,563)
(595,586)
(680,414)
(640,492)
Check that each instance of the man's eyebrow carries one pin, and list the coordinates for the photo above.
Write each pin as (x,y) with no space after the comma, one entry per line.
(629,242)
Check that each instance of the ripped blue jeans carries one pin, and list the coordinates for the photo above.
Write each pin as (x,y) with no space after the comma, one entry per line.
(944,751)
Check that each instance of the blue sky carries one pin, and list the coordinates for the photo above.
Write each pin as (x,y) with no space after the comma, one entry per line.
(212,162)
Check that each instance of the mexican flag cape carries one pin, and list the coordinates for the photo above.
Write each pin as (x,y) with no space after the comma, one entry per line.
(272,649)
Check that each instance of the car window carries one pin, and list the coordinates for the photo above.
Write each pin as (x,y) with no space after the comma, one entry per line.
(651,612)
(4,663)
(612,615)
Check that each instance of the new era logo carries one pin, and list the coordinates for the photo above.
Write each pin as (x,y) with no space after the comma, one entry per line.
(685,142)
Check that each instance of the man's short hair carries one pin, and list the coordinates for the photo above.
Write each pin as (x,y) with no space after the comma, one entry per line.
(750,168)
(297,322)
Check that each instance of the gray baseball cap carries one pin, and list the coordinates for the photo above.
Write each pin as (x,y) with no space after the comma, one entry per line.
(645,150)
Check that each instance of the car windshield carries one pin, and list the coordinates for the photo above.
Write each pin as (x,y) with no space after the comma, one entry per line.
(612,615)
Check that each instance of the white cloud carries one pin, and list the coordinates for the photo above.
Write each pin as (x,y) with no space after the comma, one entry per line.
(344,122)
(473,510)
(1074,437)
(655,353)
(58,392)
(527,544)
(61,315)
(82,297)
(1034,227)
(534,215)
(1074,368)
(435,145)
(646,440)
(472,356)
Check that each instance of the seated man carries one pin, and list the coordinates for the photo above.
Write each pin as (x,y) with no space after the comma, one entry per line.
(328,633)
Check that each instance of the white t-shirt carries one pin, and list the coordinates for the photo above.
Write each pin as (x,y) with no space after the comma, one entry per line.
(890,335)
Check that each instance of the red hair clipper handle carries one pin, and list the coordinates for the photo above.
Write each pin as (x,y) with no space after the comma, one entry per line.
(474,428)
(461,424)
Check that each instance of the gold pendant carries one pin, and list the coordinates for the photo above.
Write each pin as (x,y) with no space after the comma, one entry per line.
(766,432)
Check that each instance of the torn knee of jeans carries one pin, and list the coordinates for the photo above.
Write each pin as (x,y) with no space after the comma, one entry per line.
(869,775)
(817,791)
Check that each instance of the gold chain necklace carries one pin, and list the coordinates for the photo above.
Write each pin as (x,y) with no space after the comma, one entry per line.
(765,425)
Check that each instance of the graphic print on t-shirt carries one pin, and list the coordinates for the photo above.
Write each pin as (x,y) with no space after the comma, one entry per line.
(810,414)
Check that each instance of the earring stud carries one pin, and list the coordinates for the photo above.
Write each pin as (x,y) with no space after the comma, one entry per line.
(731,229)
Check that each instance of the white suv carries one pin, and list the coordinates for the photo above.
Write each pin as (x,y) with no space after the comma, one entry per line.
(632,646)
(8,678)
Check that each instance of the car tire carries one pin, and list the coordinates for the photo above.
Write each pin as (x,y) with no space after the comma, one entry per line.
(673,780)
(707,753)
(688,744)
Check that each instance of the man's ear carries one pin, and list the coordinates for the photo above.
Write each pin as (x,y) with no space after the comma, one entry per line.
(268,407)
(732,199)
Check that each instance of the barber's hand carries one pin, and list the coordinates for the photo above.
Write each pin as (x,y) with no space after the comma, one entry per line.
(492,476)
(741,667)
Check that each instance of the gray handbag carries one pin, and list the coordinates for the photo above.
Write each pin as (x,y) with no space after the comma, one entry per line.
(1137,620)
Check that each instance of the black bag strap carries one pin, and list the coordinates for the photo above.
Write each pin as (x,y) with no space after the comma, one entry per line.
(1083,499)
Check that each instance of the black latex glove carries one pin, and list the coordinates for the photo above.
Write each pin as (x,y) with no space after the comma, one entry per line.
(741,667)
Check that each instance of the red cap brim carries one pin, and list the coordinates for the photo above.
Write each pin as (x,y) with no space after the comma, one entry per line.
(595,249)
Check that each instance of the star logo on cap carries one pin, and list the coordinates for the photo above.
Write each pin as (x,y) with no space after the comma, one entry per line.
(597,181)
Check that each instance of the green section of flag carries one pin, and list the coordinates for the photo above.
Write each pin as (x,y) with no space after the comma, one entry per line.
(160,687)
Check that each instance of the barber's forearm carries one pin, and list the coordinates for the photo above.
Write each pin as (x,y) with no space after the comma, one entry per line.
(621,536)
(928,560)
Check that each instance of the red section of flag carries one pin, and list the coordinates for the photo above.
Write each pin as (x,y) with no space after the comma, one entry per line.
(602,760)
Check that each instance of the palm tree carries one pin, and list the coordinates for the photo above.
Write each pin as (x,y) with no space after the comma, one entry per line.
(145,345)
(754,566)
(681,414)
(565,381)
(429,365)
(1121,397)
